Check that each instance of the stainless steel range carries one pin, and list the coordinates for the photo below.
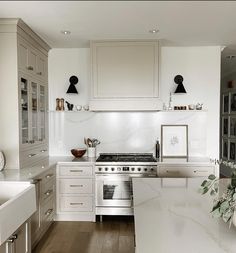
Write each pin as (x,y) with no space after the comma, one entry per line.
(114,174)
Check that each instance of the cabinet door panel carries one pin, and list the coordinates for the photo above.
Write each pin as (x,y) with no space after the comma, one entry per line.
(22,55)
(32,58)
(21,243)
(3,248)
(41,66)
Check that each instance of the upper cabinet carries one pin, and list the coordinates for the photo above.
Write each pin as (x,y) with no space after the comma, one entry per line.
(124,76)
(24,94)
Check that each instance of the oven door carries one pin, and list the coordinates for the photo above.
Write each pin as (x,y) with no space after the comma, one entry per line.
(113,190)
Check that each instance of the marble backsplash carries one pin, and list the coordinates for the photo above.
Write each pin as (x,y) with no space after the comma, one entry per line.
(123,131)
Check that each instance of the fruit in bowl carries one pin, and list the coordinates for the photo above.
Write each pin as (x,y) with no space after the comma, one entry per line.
(78,152)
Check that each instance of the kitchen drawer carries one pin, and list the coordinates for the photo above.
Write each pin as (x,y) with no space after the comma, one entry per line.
(185,171)
(78,185)
(76,203)
(48,190)
(49,176)
(48,211)
(72,171)
(33,155)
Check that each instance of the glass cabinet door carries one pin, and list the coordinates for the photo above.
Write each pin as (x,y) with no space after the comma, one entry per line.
(24,101)
(34,112)
(42,113)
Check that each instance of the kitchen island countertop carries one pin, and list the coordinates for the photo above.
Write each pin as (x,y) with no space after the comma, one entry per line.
(172,217)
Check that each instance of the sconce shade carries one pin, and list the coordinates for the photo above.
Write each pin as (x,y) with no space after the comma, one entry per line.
(180,88)
(73,81)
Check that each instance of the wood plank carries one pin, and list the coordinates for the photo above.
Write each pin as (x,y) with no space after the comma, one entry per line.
(113,235)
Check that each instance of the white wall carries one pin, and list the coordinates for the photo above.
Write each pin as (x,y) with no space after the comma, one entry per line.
(137,131)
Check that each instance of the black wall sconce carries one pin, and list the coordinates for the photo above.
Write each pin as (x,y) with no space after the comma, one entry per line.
(180,88)
(73,81)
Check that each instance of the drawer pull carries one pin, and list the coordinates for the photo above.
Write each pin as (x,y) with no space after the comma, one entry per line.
(76,170)
(206,171)
(49,211)
(76,204)
(47,193)
(76,185)
(172,171)
(31,155)
(12,238)
(30,68)
(49,176)
(43,150)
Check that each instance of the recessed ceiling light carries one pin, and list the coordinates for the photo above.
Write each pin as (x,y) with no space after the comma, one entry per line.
(154,31)
(230,57)
(66,32)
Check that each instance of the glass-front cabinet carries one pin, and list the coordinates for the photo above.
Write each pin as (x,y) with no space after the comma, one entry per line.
(33,107)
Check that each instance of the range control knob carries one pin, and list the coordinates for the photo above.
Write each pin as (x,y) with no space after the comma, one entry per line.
(152,169)
(145,169)
(132,169)
(139,169)
(112,169)
(106,169)
(119,169)
(100,169)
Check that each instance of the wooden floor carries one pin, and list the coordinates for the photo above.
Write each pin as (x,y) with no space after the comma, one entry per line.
(113,235)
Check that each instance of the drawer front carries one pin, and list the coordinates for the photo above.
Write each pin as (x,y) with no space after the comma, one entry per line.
(49,176)
(76,186)
(185,171)
(33,155)
(73,171)
(48,191)
(76,203)
(48,211)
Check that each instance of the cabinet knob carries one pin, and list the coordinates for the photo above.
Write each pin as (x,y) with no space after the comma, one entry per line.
(30,68)
(49,175)
(31,155)
(39,73)
(43,150)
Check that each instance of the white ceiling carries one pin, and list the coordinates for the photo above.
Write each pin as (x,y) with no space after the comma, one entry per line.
(179,22)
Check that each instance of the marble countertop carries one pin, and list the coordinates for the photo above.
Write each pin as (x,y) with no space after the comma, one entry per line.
(28,173)
(172,217)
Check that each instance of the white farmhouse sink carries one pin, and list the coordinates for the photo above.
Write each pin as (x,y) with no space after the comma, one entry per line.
(17,204)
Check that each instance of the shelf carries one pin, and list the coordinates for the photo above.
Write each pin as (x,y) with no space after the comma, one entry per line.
(183,111)
(69,111)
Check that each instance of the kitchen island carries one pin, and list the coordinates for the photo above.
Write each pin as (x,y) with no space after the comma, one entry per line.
(172,217)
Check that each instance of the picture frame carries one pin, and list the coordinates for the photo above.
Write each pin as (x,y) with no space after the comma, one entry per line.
(174,141)
(226,103)
(232,126)
(233,102)
(232,150)
(225,149)
(225,126)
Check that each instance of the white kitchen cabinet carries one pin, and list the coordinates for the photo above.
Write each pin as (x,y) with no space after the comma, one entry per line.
(23,97)
(75,192)
(125,75)
(185,170)
(45,185)
(18,242)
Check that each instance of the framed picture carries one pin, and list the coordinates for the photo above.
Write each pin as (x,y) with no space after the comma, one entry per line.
(225,126)
(226,103)
(225,149)
(232,150)
(233,103)
(232,126)
(174,141)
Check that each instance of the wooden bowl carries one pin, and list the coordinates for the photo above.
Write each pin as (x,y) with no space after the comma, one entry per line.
(78,152)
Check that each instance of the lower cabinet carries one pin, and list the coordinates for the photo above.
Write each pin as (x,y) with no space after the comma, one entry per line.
(75,192)
(188,170)
(18,242)
(45,185)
